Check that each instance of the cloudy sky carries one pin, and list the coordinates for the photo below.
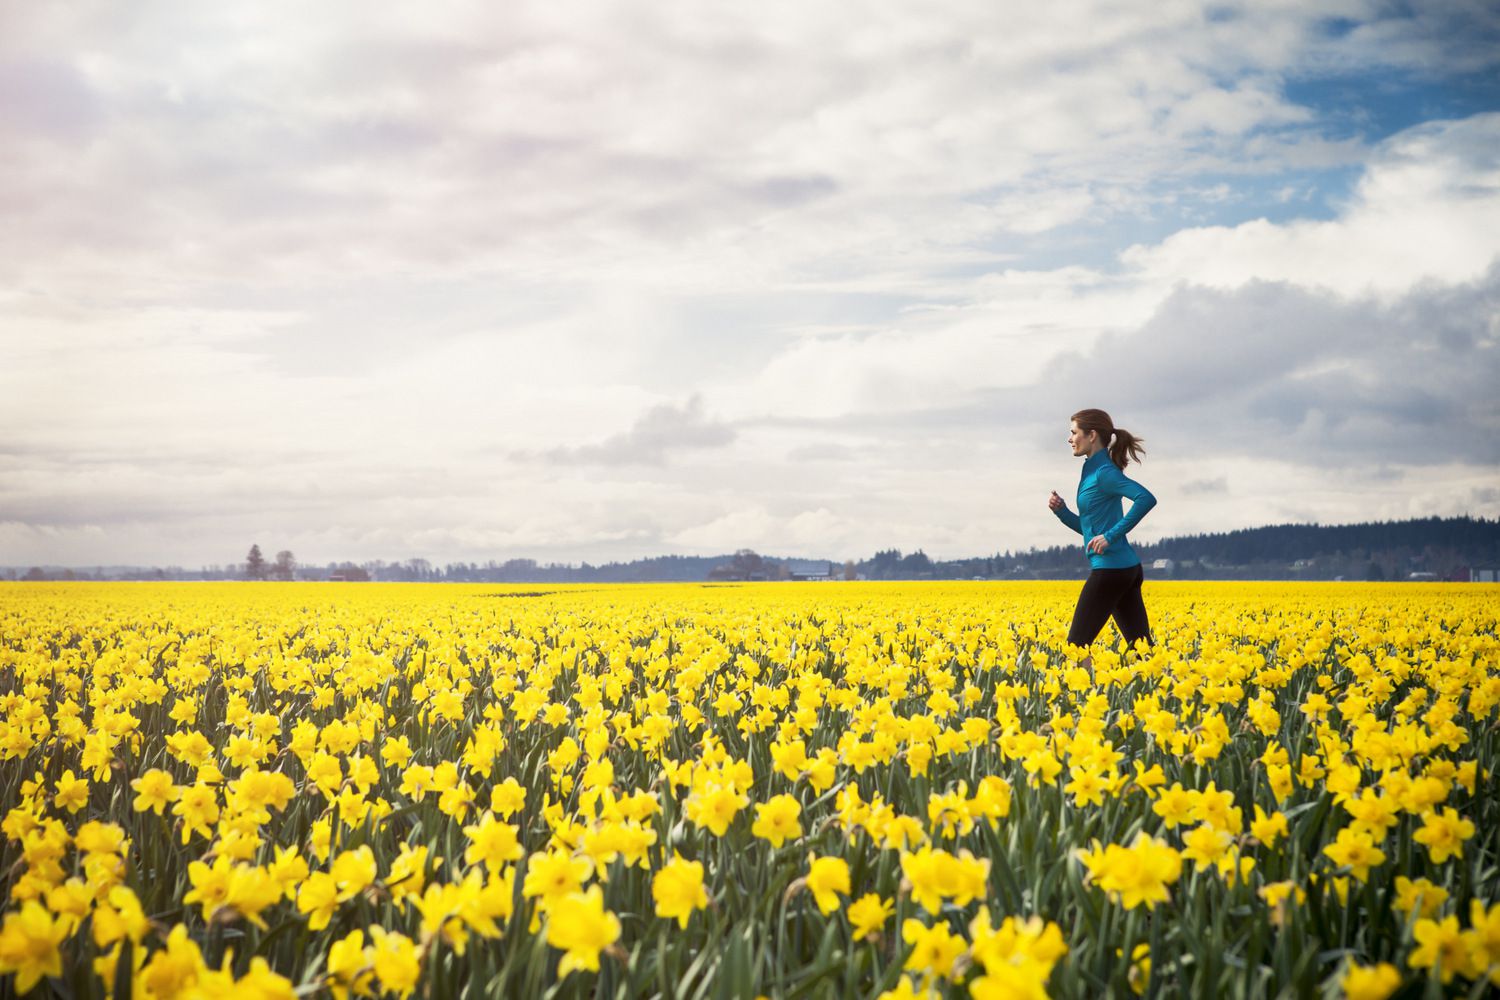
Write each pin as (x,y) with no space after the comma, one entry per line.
(594,280)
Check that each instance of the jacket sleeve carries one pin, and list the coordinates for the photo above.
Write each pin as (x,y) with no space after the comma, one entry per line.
(1069,518)
(1115,482)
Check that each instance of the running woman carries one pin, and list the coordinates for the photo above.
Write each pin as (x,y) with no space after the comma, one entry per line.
(1113,587)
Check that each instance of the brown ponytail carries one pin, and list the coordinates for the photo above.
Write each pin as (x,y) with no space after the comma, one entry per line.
(1125,446)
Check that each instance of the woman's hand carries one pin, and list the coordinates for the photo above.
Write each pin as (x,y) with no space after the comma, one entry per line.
(1055,502)
(1098,544)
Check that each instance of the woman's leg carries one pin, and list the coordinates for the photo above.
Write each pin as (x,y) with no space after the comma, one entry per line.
(1096,602)
(1130,612)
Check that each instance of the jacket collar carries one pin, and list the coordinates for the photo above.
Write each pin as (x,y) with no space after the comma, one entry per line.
(1094,461)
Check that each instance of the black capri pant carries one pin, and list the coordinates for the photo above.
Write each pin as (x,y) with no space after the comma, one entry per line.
(1109,592)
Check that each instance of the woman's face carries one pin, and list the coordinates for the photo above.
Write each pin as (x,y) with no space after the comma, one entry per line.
(1081,441)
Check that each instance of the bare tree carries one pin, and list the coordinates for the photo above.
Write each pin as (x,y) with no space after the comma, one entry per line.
(285,566)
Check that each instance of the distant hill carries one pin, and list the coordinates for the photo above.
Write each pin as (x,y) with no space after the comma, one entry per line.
(1424,548)
(1466,539)
(1445,548)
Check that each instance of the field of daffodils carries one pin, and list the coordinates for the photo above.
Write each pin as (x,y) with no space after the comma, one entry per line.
(779,790)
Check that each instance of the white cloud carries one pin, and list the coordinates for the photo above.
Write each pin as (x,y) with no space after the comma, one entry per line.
(754,525)
(338,276)
(663,429)
(271,144)
(1426,209)
(1039,210)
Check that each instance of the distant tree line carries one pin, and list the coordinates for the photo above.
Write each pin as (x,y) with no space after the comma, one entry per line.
(1475,537)
(1440,548)
(1445,548)
(256,567)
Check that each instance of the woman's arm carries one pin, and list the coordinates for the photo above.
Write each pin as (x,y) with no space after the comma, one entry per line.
(1064,514)
(1114,482)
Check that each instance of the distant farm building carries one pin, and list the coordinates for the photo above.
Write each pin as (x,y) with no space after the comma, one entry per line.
(735,574)
(812,569)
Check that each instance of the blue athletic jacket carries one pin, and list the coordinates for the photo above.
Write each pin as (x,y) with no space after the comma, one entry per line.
(1100,511)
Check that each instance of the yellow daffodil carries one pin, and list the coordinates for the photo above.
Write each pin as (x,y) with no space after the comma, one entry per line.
(776,820)
(581,927)
(29,941)
(677,888)
(868,914)
(826,878)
